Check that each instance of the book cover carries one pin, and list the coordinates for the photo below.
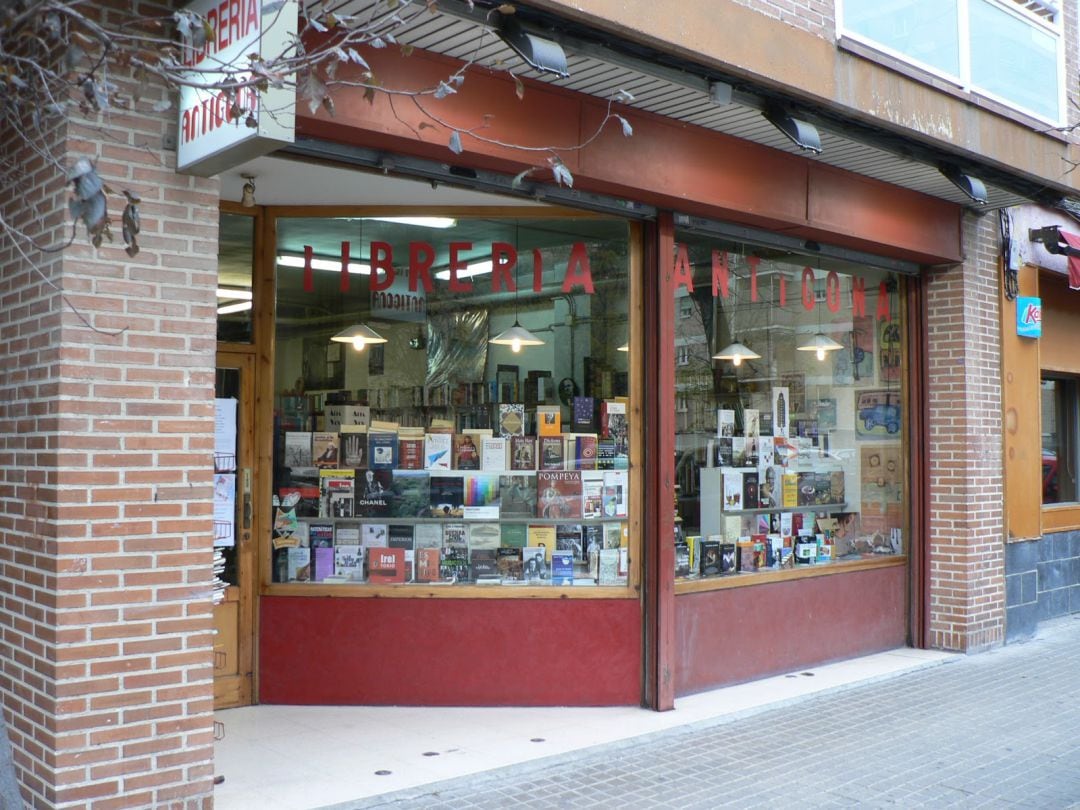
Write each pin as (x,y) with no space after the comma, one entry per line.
(511,419)
(615,425)
(427,535)
(551,452)
(517,496)
(592,495)
(514,535)
(608,573)
(298,567)
(456,535)
(789,490)
(382,450)
(484,536)
(374,535)
(466,455)
(322,563)
(616,495)
(483,564)
(733,490)
(751,423)
(568,539)
(836,487)
(508,563)
(583,415)
(534,565)
(728,559)
(481,495)
(493,453)
(410,453)
(710,558)
(605,454)
(558,494)
(320,535)
(410,493)
(548,420)
(580,451)
(354,442)
(347,534)
(613,535)
(562,568)
(336,488)
(356,416)
(522,452)
(807,484)
(386,565)
(325,448)
(305,499)
(437,451)
(592,537)
(298,449)
(725,423)
(745,555)
(454,564)
(334,416)
(682,560)
(373,491)
(427,564)
(447,496)
(750,489)
(723,452)
(738,451)
(769,493)
(400,535)
(349,562)
(541,537)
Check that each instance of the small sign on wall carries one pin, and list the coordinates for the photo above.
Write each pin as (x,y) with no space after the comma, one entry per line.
(1028,316)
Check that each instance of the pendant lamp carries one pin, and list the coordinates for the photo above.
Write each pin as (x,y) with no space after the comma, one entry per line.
(736,353)
(517,335)
(359,336)
(820,344)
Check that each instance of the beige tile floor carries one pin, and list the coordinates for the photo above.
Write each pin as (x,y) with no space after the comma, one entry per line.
(298,757)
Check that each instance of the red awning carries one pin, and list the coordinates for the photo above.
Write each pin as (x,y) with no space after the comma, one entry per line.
(1073,241)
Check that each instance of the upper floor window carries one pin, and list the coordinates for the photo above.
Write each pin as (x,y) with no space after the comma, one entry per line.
(1010,51)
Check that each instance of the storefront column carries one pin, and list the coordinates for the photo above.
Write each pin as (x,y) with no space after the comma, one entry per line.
(967,585)
(106,442)
(659,359)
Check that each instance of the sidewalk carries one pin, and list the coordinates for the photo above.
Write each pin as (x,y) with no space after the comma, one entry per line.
(297,757)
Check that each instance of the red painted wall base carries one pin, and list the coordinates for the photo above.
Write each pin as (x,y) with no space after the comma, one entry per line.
(738,634)
(450,652)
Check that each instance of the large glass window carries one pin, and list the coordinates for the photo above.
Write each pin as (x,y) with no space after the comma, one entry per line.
(790,445)
(1008,50)
(1060,409)
(236,251)
(473,427)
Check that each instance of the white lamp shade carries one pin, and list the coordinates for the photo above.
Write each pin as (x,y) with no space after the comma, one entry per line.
(359,336)
(820,342)
(516,337)
(736,353)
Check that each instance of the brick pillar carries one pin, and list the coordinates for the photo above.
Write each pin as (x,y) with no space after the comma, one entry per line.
(967,573)
(105,487)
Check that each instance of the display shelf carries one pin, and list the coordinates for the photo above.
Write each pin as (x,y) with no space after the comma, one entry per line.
(684,585)
(818,507)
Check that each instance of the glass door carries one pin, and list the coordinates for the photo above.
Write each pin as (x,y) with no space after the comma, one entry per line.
(234,516)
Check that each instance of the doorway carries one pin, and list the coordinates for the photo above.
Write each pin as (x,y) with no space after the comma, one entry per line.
(234,529)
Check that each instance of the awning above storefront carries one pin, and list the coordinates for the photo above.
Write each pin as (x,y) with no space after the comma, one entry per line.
(601,66)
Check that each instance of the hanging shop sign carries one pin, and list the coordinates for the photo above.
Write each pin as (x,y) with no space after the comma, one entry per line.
(1028,316)
(221,127)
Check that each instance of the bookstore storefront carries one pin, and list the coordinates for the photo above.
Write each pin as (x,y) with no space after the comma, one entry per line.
(540,454)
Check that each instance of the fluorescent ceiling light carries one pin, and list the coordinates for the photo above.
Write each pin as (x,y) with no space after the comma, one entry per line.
(228,309)
(333,265)
(478,269)
(243,295)
(423,222)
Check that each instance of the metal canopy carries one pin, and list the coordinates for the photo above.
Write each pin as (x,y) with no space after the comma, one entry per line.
(677,93)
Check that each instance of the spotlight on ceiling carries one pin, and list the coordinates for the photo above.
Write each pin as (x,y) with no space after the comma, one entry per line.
(801,133)
(972,186)
(541,54)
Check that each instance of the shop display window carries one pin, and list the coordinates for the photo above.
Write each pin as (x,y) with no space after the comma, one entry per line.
(454,408)
(789,405)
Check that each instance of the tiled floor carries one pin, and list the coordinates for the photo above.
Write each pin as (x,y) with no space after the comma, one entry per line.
(296,757)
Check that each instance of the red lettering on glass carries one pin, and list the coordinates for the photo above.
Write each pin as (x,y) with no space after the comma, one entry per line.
(503,262)
(832,291)
(883,302)
(382,258)
(456,265)
(578,271)
(344,267)
(309,279)
(683,275)
(808,289)
(720,273)
(421,257)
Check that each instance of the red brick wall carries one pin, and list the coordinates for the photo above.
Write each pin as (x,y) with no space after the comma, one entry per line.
(105,488)
(816,16)
(967,575)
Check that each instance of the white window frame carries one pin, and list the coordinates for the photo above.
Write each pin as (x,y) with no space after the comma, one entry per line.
(1021,9)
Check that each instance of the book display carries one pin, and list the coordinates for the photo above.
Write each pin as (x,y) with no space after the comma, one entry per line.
(486,506)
